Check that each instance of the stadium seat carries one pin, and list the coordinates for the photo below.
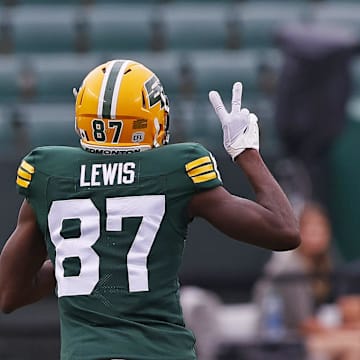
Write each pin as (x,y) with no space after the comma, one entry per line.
(77,2)
(219,70)
(115,28)
(25,126)
(49,2)
(199,2)
(50,124)
(260,20)
(194,26)
(342,2)
(44,28)
(277,2)
(123,2)
(6,134)
(341,13)
(9,78)
(57,75)
(6,45)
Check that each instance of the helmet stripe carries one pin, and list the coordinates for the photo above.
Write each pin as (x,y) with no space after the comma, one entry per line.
(102,90)
(116,90)
(110,89)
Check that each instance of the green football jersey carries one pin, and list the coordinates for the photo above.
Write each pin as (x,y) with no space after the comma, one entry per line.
(114,227)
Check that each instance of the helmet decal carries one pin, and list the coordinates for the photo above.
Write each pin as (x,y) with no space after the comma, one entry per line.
(155,92)
(110,89)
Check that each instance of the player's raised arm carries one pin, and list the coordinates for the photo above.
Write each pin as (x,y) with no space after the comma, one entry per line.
(269,221)
(25,274)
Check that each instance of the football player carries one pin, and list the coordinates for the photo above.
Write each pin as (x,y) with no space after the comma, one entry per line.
(103,225)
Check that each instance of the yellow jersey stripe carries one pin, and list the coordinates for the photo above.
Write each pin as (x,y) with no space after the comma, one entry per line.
(202,178)
(23,183)
(26,166)
(201,170)
(200,161)
(24,174)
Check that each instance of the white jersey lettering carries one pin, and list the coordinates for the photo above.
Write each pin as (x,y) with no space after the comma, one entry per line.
(107,174)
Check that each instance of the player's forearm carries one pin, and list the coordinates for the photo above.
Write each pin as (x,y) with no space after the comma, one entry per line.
(25,274)
(268,192)
(19,293)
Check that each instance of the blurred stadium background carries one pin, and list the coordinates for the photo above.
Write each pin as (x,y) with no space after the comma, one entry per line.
(47,46)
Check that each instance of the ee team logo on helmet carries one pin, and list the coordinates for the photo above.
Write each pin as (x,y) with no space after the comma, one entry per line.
(121,105)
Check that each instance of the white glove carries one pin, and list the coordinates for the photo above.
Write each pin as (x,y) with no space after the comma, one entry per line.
(240,127)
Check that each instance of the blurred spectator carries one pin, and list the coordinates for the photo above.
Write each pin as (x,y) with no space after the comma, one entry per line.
(349,279)
(6,41)
(313,90)
(21,140)
(233,40)
(82,34)
(187,84)
(341,342)
(330,324)
(200,308)
(301,276)
(158,40)
(27,81)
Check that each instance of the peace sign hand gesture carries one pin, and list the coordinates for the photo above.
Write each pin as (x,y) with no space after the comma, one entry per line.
(240,127)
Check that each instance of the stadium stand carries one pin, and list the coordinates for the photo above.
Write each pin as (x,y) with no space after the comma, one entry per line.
(127,27)
(216,70)
(47,46)
(46,2)
(6,141)
(57,115)
(337,13)
(188,26)
(56,76)
(9,78)
(19,135)
(259,20)
(43,28)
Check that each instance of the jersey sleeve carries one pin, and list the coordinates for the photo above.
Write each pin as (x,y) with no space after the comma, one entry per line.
(25,175)
(202,169)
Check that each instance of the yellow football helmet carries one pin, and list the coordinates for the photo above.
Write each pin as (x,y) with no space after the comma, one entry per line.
(121,107)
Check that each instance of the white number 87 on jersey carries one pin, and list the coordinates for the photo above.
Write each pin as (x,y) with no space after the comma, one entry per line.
(151,208)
